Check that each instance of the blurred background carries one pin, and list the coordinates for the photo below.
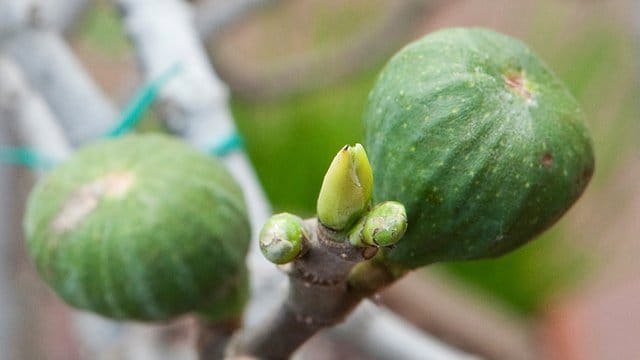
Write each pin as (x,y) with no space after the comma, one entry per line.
(299,74)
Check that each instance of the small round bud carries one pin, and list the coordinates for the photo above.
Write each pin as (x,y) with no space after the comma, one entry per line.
(384,225)
(282,237)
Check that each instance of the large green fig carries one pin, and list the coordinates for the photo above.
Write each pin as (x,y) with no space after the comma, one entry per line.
(142,227)
(479,140)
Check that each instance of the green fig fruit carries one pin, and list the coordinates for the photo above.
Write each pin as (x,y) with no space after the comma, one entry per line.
(481,142)
(142,228)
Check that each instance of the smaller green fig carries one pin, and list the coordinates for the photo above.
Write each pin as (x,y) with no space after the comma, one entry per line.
(346,189)
(141,228)
(282,238)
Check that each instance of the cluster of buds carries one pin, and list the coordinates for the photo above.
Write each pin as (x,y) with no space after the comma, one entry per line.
(344,207)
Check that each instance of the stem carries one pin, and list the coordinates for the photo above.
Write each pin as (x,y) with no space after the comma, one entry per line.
(319,296)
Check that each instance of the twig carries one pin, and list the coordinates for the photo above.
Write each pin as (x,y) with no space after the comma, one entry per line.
(317,297)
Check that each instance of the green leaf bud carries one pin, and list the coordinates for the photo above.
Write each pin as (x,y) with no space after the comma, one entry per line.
(346,189)
(282,237)
(384,225)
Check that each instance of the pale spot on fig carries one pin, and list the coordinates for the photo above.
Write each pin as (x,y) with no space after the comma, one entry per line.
(516,81)
(84,200)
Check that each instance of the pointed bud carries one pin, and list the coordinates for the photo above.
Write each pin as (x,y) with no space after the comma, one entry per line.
(346,189)
(282,238)
(384,225)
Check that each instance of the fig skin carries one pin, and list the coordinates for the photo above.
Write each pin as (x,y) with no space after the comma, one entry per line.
(141,228)
(481,142)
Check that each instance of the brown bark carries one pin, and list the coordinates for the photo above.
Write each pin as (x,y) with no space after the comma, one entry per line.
(320,295)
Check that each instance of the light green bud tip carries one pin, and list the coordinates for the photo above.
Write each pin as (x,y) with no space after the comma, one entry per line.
(281,238)
(346,189)
(383,226)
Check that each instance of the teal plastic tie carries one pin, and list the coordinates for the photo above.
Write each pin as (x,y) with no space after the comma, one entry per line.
(130,117)
(231,143)
(141,102)
(26,157)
